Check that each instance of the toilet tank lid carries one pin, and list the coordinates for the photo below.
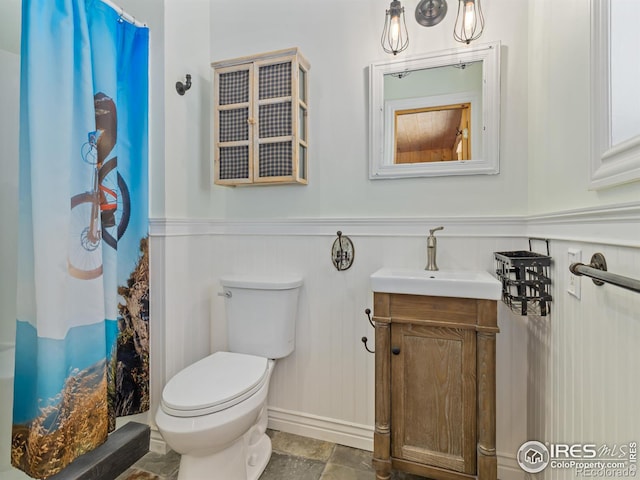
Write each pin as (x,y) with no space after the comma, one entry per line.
(261,283)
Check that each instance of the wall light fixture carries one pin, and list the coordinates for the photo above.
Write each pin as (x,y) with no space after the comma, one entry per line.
(395,37)
(469,21)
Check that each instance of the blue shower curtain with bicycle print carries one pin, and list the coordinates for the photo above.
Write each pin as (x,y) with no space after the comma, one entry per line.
(83,296)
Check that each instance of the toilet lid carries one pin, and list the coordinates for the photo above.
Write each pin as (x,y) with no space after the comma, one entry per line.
(214,383)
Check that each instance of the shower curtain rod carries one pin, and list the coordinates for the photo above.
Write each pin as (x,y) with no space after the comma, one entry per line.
(124,15)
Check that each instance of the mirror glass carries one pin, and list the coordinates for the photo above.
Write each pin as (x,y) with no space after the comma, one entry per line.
(433,134)
(437,127)
(436,114)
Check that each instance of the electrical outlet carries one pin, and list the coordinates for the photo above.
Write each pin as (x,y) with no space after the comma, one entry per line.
(573,285)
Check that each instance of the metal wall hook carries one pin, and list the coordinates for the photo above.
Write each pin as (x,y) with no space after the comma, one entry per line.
(342,252)
(367,312)
(181,88)
(364,340)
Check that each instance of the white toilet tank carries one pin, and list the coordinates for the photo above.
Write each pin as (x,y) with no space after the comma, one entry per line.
(261,314)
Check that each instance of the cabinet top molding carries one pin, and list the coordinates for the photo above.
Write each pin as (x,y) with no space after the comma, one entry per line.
(263,56)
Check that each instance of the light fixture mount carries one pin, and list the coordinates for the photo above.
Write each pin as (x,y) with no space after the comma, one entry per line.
(431,12)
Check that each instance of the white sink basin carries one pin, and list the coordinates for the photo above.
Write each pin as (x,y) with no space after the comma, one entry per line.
(441,283)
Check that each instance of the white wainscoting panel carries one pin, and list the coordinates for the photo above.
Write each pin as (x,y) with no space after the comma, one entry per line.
(325,388)
(566,377)
(584,358)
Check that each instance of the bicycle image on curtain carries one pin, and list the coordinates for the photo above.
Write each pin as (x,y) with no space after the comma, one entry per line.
(103,212)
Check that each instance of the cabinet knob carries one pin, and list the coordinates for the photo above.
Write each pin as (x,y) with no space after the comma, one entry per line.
(395,350)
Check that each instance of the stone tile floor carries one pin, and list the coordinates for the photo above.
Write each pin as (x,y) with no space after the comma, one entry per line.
(293,458)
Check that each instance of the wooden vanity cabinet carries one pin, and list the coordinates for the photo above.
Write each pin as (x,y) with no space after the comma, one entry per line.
(435,386)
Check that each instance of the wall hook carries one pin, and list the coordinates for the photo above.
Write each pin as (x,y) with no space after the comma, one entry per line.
(181,88)
(364,340)
(367,312)
(342,252)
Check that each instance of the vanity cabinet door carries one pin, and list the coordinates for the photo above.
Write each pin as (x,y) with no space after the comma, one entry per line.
(433,396)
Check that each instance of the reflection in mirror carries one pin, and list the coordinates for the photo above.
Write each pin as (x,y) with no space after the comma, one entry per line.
(433,134)
(436,114)
(438,127)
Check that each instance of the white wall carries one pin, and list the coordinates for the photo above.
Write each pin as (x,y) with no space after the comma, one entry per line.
(188,175)
(581,356)
(340,39)
(544,155)
(325,389)
(558,106)
(9,131)
(581,382)
(10,21)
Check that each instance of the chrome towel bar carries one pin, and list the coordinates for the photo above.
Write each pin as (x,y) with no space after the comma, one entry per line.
(597,271)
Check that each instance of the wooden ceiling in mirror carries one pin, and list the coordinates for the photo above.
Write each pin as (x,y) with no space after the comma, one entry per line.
(433,134)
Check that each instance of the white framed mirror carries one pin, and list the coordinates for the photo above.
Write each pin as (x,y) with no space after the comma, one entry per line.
(615,117)
(435,114)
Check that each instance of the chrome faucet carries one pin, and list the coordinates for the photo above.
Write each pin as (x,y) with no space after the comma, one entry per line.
(432,242)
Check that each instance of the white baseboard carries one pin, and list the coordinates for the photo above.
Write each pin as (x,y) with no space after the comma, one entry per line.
(508,468)
(307,425)
(157,443)
(322,428)
(336,431)
(358,436)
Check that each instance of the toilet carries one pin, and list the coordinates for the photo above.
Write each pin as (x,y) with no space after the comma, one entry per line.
(214,412)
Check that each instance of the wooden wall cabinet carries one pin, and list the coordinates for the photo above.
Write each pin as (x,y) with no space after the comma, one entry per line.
(435,386)
(260,119)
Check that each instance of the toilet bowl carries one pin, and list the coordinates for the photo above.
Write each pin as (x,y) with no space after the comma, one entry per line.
(222,436)
(214,412)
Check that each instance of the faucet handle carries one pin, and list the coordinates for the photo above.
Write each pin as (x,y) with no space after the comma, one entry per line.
(435,230)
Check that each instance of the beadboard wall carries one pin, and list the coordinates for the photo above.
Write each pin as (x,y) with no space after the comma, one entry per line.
(564,377)
(584,358)
(325,389)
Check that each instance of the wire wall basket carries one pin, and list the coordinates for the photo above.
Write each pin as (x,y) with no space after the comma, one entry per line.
(525,280)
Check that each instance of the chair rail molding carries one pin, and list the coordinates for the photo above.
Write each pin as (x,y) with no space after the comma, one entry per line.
(480,226)
(612,225)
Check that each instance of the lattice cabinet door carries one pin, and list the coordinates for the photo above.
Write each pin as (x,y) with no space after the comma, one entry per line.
(260,121)
(232,132)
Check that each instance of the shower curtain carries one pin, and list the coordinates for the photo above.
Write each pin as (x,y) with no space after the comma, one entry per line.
(83,297)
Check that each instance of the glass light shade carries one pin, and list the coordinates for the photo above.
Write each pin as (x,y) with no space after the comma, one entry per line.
(395,37)
(469,21)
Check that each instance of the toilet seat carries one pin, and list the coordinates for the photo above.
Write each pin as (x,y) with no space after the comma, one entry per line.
(214,383)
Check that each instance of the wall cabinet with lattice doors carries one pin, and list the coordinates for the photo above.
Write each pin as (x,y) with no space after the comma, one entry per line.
(260,119)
